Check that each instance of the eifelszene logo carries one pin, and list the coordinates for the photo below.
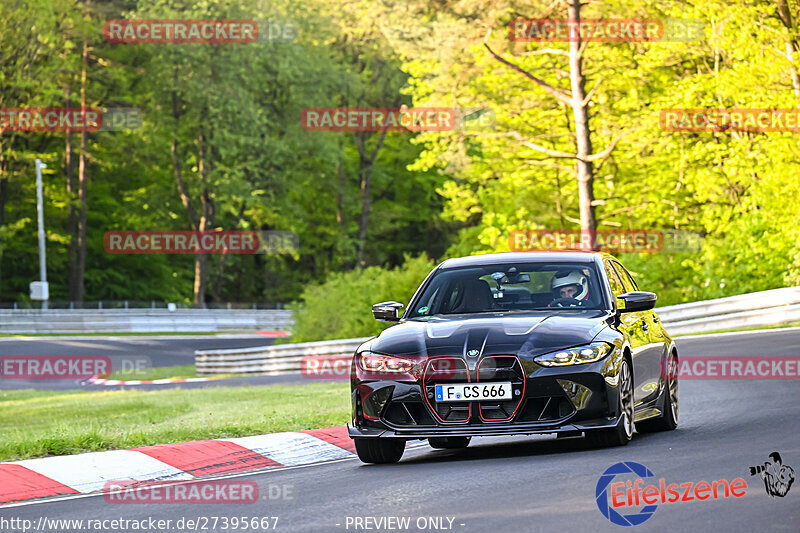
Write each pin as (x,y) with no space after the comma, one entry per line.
(601,494)
(631,494)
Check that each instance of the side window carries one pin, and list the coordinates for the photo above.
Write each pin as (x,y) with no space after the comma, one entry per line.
(626,277)
(616,285)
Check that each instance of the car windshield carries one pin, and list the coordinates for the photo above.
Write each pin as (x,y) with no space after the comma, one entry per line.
(511,287)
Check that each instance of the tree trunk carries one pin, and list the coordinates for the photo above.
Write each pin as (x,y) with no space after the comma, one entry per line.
(792,47)
(80,258)
(200,269)
(72,217)
(199,223)
(176,163)
(3,196)
(340,192)
(583,135)
(365,170)
(206,220)
(366,205)
(218,286)
(578,100)
(200,259)
(342,189)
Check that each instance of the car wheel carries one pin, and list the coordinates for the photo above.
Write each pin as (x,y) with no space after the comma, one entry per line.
(622,434)
(379,451)
(449,443)
(668,420)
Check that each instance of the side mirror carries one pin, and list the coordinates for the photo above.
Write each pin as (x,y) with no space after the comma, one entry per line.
(387,311)
(636,301)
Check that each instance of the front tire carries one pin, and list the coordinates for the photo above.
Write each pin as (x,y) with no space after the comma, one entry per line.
(668,420)
(379,451)
(449,443)
(623,433)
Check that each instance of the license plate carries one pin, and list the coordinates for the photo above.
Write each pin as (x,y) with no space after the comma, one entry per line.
(473,392)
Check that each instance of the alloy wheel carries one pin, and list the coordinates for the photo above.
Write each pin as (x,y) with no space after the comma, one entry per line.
(672,380)
(626,398)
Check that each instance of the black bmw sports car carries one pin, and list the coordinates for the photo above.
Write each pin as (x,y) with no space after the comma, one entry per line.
(515,344)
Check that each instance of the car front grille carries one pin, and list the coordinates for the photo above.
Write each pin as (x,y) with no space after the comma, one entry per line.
(444,370)
(494,368)
(501,368)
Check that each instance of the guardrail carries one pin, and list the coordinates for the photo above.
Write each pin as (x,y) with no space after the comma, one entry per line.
(764,308)
(143,320)
(270,360)
(776,306)
(134,304)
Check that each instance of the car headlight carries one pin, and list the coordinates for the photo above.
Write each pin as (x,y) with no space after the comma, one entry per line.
(575,356)
(386,363)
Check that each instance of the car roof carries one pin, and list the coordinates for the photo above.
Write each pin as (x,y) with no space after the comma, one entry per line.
(514,257)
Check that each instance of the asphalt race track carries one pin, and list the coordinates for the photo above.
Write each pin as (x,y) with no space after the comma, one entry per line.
(151,351)
(538,484)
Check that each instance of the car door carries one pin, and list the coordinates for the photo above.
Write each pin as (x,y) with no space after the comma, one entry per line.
(630,327)
(650,347)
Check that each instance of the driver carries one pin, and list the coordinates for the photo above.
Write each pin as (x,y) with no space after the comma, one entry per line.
(570,285)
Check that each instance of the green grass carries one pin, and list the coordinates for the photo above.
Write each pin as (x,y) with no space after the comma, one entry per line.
(746,328)
(41,423)
(163,372)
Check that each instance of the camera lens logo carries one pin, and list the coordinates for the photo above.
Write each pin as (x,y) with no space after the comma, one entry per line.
(602,498)
(778,477)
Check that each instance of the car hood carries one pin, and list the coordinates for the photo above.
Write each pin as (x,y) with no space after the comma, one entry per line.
(524,334)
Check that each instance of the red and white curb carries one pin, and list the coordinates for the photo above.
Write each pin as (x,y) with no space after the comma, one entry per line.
(273,333)
(89,472)
(97,380)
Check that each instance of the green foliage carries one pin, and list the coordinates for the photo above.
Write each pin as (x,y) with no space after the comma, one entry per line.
(736,189)
(441,194)
(263,170)
(341,306)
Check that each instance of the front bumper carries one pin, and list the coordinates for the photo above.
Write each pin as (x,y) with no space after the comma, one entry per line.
(569,429)
(565,400)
